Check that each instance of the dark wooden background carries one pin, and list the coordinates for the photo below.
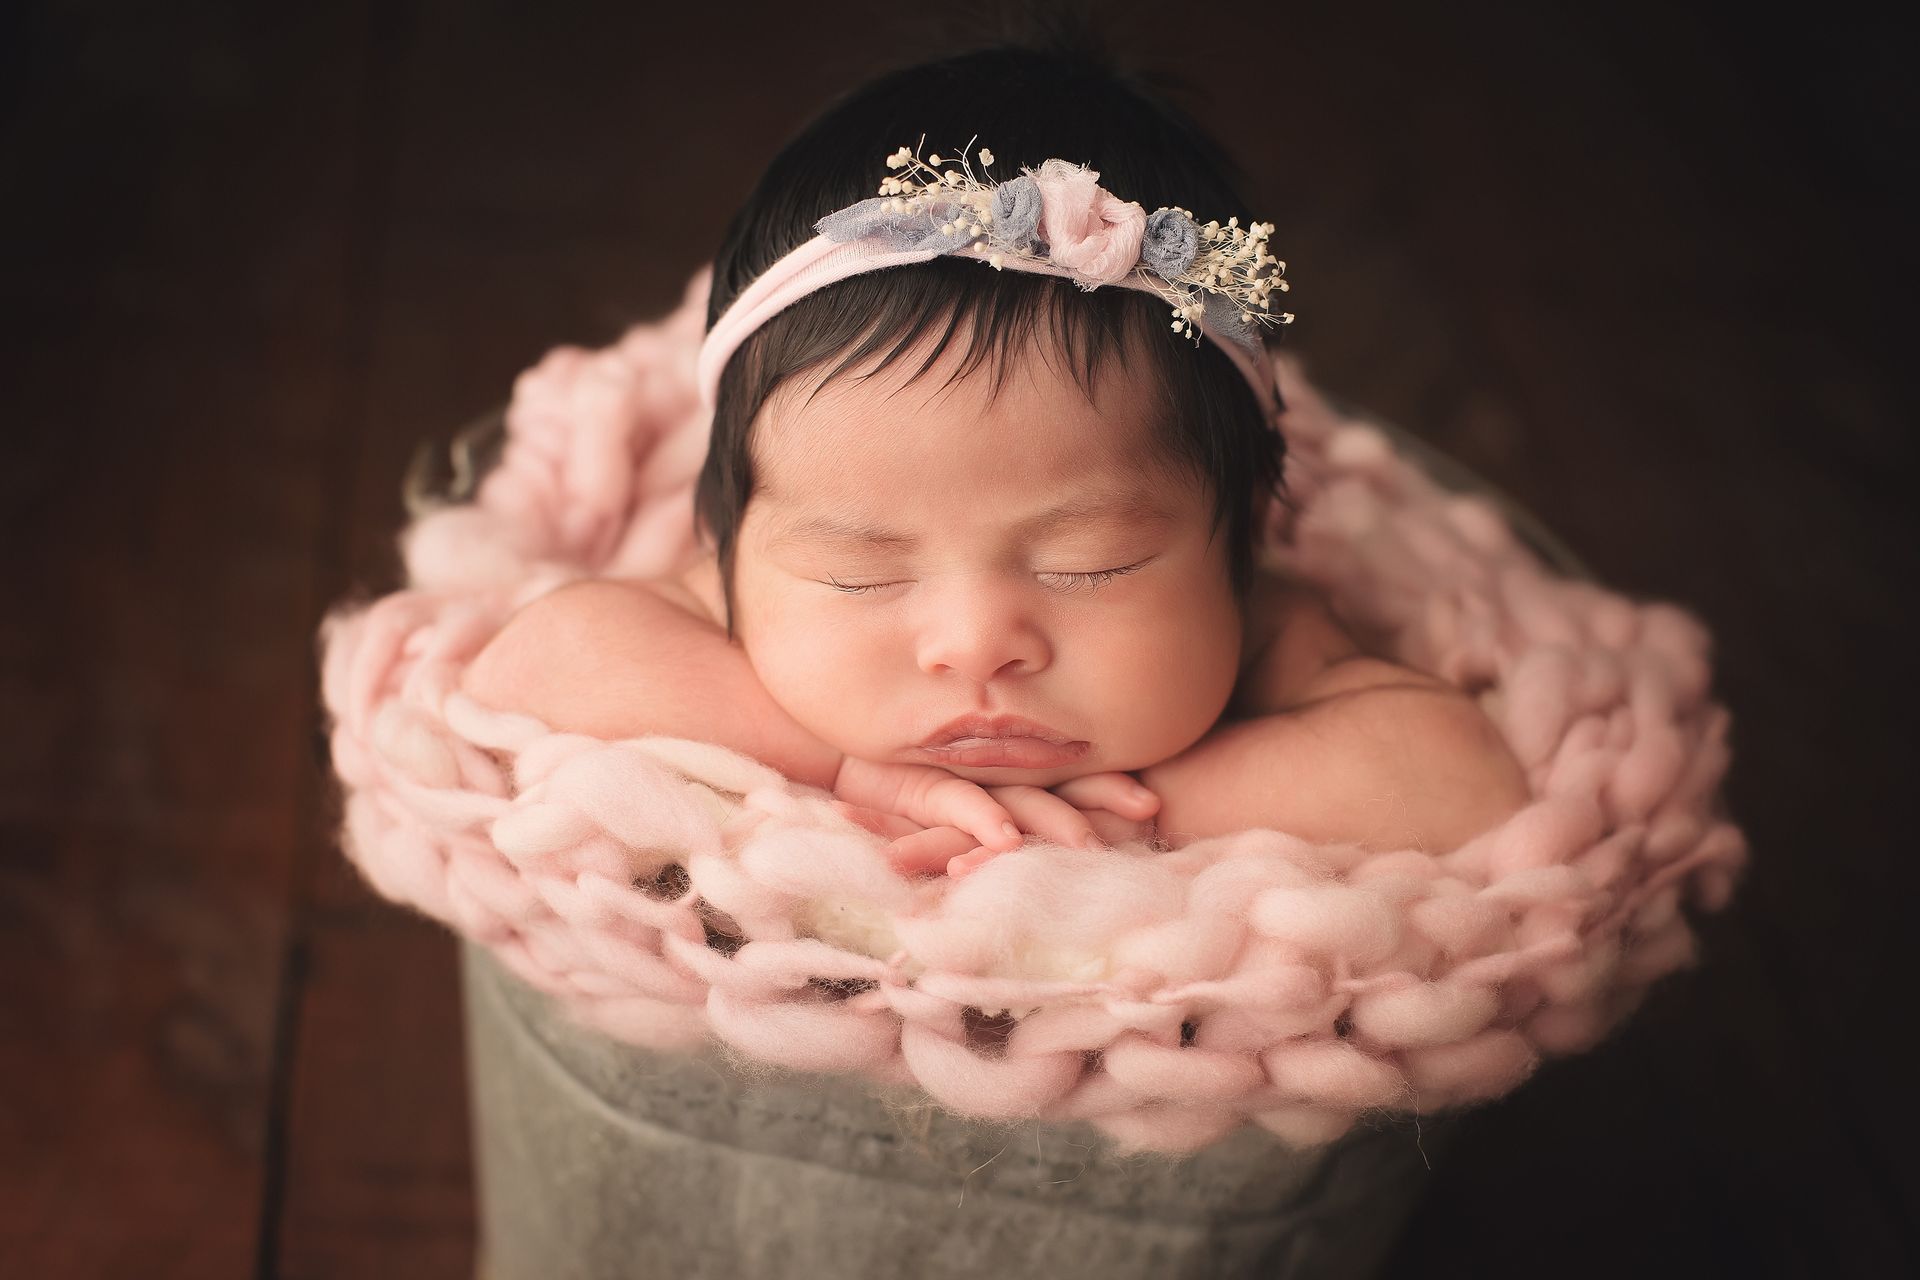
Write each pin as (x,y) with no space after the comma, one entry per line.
(1645,271)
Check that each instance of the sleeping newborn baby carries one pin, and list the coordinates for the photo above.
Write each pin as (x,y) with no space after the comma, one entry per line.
(977,613)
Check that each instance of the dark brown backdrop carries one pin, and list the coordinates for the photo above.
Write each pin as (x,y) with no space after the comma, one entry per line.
(1643,270)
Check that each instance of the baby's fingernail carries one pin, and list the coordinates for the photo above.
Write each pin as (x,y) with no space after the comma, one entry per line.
(1141,793)
(962,865)
(1092,840)
(1013,832)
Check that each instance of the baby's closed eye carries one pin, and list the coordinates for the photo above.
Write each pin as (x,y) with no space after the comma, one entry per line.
(1088,581)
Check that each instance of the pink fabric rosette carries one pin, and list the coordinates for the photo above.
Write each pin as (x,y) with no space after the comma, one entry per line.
(1091,232)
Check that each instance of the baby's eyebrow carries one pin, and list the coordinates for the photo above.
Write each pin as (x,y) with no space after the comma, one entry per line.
(1128,507)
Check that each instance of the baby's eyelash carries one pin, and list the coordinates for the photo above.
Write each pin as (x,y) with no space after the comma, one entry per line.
(1094,580)
(1097,579)
(837,585)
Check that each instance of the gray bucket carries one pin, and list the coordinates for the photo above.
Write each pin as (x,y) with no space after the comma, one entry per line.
(597,1158)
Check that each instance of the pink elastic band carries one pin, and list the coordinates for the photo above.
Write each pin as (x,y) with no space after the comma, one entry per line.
(821,261)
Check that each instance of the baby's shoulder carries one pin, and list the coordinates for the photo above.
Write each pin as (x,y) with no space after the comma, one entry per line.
(603,626)
(696,591)
(1364,671)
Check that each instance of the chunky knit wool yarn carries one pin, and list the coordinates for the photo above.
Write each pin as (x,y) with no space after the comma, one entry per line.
(679,895)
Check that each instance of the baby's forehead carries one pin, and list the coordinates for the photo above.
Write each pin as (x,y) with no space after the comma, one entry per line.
(1044,379)
(839,474)
(1038,429)
(919,439)
(836,518)
(1095,496)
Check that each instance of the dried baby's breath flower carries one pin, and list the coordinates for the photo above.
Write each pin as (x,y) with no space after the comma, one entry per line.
(1229,260)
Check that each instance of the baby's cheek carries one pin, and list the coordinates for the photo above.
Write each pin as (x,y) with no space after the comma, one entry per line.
(815,687)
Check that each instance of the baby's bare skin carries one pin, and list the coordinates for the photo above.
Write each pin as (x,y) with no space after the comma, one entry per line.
(915,549)
(1301,664)
(1355,748)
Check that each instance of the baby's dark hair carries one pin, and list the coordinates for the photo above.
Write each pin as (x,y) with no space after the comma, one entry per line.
(1056,95)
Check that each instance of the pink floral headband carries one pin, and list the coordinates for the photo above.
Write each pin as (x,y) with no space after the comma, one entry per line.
(1051,221)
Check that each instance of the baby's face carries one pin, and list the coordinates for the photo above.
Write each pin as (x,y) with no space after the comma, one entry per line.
(1114,625)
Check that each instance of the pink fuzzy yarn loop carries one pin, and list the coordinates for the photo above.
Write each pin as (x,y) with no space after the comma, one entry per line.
(676,894)
(1010,1088)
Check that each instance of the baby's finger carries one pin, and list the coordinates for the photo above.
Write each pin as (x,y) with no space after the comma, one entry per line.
(1116,830)
(878,821)
(1047,815)
(930,796)
(956,802)
(966,864)
(929,850)
(1115,792)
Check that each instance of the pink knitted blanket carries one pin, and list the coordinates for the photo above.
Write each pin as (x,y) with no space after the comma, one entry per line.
(677,894)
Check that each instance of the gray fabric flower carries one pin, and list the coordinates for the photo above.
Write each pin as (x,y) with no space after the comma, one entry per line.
(1170,243)
(1016,211)
(918,228)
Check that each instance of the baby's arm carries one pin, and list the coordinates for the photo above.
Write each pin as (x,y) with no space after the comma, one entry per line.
(620,660)
(617,660)
(1376,755)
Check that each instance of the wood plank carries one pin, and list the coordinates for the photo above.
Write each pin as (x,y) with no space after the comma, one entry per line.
(374,1174)
(172,324)
(379,1172)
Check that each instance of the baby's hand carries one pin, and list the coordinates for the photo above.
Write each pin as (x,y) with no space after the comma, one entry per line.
(955,816)
(1119,805)
(1116,808)
(914,849)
